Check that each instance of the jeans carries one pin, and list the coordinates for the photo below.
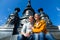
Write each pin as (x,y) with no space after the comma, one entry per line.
(49,36)
(22,37)
(27,38)
(38,36)
(19,37)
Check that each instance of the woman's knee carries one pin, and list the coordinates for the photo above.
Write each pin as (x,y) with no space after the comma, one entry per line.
(41,34)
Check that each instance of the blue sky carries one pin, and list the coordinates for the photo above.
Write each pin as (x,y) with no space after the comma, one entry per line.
(51,7)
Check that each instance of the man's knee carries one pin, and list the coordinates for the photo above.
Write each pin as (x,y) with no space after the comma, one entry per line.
(19,37)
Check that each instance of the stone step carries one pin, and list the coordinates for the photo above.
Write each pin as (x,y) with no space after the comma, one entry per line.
(56,35)
(55,32)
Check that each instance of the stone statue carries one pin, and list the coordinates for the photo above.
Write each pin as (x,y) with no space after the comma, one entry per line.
(16,21)
(27,12)
(45,17)
(10,19)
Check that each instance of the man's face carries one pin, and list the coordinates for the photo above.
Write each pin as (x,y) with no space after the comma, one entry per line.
(36,17)
(31,19)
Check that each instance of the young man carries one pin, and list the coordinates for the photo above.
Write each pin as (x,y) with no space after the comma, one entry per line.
(26,30)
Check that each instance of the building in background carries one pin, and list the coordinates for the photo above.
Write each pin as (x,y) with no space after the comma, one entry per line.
(14,24)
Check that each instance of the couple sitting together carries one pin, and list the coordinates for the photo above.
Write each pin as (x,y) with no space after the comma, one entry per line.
(35,29)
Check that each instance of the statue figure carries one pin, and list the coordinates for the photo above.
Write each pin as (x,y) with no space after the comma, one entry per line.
(27,12)
(45,17)
(16,21)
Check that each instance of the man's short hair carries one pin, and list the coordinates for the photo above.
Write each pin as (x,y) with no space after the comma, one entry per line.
(31,16)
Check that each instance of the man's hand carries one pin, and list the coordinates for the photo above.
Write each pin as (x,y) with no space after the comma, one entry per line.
(31,27)
(27,35)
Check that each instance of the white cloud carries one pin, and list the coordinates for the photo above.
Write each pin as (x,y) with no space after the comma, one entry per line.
(58,13)
(59,27)
(58,9)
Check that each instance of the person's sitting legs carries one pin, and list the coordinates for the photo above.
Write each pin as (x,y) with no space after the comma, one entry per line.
(19,37)
(41,36)
(35,36)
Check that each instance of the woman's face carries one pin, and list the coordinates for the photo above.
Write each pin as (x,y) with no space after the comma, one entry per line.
(37,17)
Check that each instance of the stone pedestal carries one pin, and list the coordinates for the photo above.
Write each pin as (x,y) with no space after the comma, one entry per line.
(54,31)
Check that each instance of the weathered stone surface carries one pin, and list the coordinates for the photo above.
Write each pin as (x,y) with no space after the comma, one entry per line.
(54,31)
